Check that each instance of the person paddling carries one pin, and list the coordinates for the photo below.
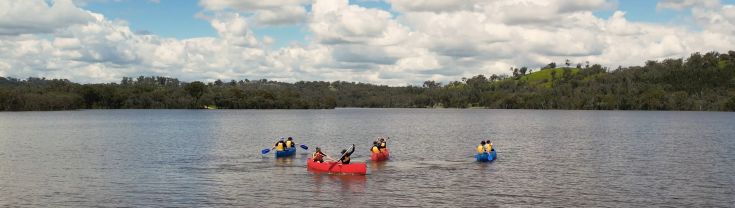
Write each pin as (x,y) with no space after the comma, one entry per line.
(290,143)
(345,159)
(280,145)
(375,148)
(488,146)
(481,148)
(382,144)
(318,155)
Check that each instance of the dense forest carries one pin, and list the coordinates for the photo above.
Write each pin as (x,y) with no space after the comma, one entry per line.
(699,82)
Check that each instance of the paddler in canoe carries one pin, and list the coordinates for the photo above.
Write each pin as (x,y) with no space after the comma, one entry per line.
(290,143)
(280,145)
(481,148)
(375,148)
(485,152)
(342,166)
(318,155)
(345,159)
(382,145)
(488,146)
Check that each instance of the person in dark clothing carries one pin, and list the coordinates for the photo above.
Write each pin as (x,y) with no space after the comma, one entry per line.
(345,159)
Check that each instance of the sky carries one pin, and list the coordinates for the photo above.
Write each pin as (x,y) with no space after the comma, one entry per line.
(394,42)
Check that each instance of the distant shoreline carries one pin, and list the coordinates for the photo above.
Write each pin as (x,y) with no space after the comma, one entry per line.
(702,82)
(350,108)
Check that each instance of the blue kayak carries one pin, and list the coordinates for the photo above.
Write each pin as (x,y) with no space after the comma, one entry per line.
(288,152)
(486,157)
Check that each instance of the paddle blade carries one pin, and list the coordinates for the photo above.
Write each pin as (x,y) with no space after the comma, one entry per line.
(304,147)
(265,151)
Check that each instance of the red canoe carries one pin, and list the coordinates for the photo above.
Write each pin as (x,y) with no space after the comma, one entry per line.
(380,156)
(352,168)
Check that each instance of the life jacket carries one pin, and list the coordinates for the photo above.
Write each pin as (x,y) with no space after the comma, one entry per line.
(289,144)
(382,145)
(280,146)
(375,149)
(317,156)
(345,158)
(480,149)
(488,147)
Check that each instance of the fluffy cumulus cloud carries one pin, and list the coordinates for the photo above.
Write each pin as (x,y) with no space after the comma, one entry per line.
(265,12)
(411,42)
(432,5)
(106,50)
(684,4)
(24,17)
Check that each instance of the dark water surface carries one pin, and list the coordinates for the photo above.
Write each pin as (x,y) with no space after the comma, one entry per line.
(199,158)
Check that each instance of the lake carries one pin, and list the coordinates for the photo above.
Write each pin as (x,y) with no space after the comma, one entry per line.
(211,158)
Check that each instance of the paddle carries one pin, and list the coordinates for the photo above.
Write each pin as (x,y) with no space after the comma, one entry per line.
(267,150)
(340,158)
(304,147)
(386,141)
(330,158)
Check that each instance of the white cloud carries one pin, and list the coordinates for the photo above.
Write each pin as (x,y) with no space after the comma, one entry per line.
(683,4)
(269,12)
(432,5)
(38,16)
(282,15)
(566,6)
(719,19)
(335,22)
(418,40)
(233,28)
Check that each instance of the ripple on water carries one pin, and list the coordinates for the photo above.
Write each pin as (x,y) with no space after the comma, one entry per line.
(149,158)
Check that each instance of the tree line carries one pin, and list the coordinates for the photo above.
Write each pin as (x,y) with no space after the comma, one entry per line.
(700,82)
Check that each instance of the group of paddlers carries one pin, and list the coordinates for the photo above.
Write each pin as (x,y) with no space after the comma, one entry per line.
(485,147)
(282,145)
(378,145)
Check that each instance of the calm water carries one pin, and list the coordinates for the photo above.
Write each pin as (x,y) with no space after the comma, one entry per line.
(212,158)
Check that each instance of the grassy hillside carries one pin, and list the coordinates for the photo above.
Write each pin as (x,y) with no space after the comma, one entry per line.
(543,78)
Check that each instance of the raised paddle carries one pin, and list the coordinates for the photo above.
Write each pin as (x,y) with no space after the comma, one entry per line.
(340,157)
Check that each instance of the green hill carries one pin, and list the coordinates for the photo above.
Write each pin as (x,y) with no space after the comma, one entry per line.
(543,78)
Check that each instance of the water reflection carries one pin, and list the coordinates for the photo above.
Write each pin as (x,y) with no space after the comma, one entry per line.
(379,166)
(284,161)
(132,158)
(346,183)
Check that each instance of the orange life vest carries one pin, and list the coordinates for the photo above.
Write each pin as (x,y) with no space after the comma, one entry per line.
(317,156)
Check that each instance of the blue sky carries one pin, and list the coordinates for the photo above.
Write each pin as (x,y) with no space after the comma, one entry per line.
(177,19)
